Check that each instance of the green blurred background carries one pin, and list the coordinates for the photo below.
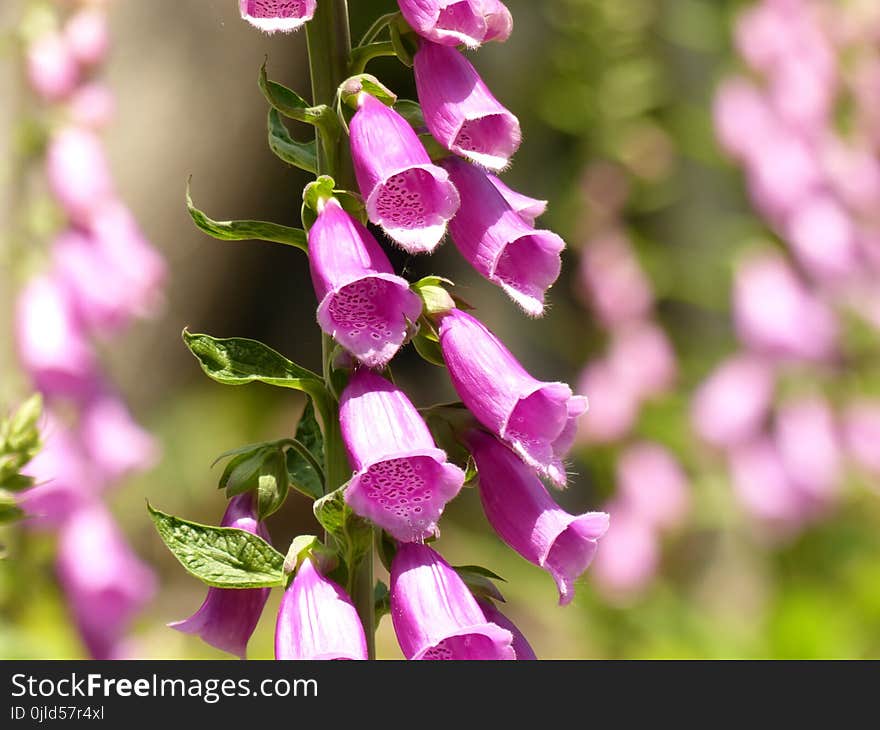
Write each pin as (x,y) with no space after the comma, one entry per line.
(625,81)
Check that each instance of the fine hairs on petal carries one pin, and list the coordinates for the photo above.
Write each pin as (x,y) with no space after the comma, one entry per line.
(272,16)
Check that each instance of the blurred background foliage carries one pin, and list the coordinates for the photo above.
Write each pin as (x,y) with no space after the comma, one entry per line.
(598,84)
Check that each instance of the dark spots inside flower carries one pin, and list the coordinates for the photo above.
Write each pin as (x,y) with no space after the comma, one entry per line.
(401,202)
(357,309)
(397,486)
(276,8)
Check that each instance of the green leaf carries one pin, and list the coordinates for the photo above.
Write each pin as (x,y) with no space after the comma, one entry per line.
(17,483)
(289,103)
(242,472)
(404,44)
(23,435)
(480,581)
(381,600)
(303,155)
(222,557)
(272,485)
(435,299)
(246,230)
(301,473)
(353,534)
(412,112)
(429,349)
(9,509)
(299,549)
(239,361)
(365,83)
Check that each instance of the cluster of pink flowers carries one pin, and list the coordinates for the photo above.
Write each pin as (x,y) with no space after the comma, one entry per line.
(102,274)
(816,183)
(638,366)
(519,429)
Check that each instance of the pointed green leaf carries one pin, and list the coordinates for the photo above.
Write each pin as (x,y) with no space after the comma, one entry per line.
(303,155)
(480,581)
(353,534)
(289,103)
(272,486)
(18,483)
(246,230)
(222,557)
(9,509)
(302,474)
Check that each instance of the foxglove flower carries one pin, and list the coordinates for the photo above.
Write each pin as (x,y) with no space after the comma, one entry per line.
(629,556)
(499,244)
(317,620)
(538,420)
(455,22)
(733,402)
(277,15)
(52,345)
(52,70)
(861,433)
(410,198)
(362,304)
(762,485)
(460,111)
(809,446)
(434,614)
(92,106)
(653,485)
(525,516)
(614,405)
(115,444)
(824,239)
(228,616)
(87,36)
(78,172)
(105,582)
(529,209)
(521,646)
(642,356)
(402,480)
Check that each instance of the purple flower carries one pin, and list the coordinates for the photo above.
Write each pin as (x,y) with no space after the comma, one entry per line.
(614,405)
(861,432)
(521,646)
(51,68)
(106,584)
(78,172)
(824,239)
(529,209)
(93,106)
(525,516)
(460,111)
(402,480)
(88,36)
(642,356)
(410,198)
(455,22)
(538,420)
(362,304)
(733,402)
(434,614)
(227,618)
(277,15)
(115,444)
(653,485)
(499,244)
(629,556)
(317,620)
(51,342)
(809,446)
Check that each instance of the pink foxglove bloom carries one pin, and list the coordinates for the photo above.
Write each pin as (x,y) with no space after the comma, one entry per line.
(228,616)
(527,208)
(361,303)
(538,420)
(461,112)
(277,15)
(402,480)
(434,614)
(861,433)
(614,406)
(78,172)
(410,198)
(653,485)
(115,444)
(51,68)
(776,315)
(88,36)
(809,446)
(823,238)
(457,22)
(613,282)
(643,358)
(525,516)
(52,345)
(629,556)
(742,117)
(499,244)
(92,106)
(317,621)
(105,582)
(853,171)
(732,404)
(64,479)
(521,646)
(762,485)
(783,171)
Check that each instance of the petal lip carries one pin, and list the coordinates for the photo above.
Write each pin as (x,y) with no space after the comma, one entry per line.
(502,640)
(278,23)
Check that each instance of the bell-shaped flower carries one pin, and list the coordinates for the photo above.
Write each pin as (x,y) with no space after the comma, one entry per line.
(524,515)
(410,198)
(434,614)
(460,111)
(116,445)
(538,420)
(456,22)
(277,15)
(78,172)
(499,244)
(52,71)
(362,304)
(653,485)
(629,558)
(317,620)
(52,344)
(92,105)
(521,646)
(402,480)
(527,208)
(228,616)
(88,36)
(861,434)
(105,583)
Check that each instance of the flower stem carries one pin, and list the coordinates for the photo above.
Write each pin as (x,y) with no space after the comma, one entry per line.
(329,41)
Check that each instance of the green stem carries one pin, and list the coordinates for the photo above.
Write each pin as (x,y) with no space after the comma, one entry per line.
(329,41)
(376,28)
(362,55)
